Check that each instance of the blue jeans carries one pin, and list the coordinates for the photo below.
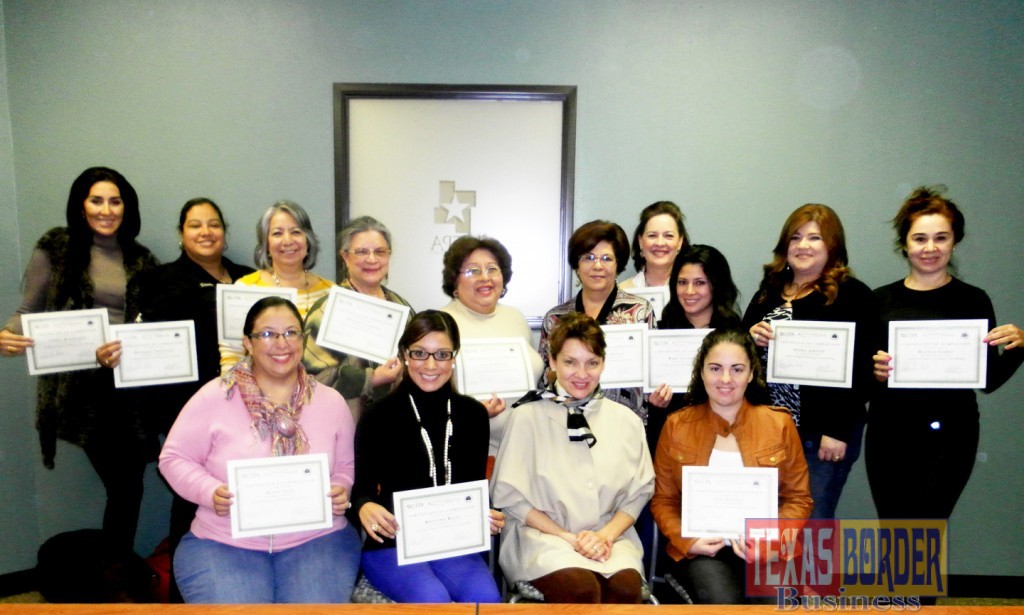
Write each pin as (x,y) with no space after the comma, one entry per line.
(322,570)
(828,477)
(465,578)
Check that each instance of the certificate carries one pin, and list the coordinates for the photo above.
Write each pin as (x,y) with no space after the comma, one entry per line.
(657,295)
(361,325)
(494,365)
(938,354)
(718,501)
(669,356)
(156,353)
(233,303)
(812,352)
(277,495)
(439,522)
(64,341)
(624,356)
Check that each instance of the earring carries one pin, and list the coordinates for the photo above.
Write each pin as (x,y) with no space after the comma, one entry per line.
(407,364)
(181,246)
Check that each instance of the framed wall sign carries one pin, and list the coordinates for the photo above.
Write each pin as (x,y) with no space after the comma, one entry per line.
(435,162)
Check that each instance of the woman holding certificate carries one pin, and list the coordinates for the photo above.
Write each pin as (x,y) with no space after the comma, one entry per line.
(724,428)
(265,406)
(88,264)
(597,253)
(809,279)
(921,443)
(365,248)
(422,435)
(657,240)
(573,473)
(286,249)
(476,274)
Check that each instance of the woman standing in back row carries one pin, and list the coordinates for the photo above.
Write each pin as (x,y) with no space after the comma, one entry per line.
(921,443)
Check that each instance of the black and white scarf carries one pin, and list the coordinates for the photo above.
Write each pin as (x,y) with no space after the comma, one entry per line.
(576,422)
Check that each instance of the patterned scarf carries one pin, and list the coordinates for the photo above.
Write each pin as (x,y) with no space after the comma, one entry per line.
(279,421)
(576,423)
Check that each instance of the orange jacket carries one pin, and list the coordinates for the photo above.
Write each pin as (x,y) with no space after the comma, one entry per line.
(767,438)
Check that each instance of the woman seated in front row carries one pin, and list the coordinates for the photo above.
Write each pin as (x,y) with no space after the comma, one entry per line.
(573,472)
(424,434)
(724,428)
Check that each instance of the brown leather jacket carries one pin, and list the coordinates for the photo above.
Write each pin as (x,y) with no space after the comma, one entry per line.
(767,438)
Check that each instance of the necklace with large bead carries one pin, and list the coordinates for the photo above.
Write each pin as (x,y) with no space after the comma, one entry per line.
(430,445)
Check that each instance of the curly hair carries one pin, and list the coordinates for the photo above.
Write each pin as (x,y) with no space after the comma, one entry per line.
(667,208)
(777,273)
(757,389)
(923,201)
(361,224)
(460,250)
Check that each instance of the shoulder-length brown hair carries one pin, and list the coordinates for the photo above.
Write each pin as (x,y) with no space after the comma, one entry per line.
(777,273)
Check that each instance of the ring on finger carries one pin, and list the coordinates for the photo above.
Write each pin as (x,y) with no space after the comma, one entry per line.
(374,527)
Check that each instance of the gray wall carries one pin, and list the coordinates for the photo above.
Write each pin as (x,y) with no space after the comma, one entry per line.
(738,111)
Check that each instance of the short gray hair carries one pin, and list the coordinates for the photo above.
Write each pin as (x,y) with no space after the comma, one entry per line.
(261,255)
(353,228)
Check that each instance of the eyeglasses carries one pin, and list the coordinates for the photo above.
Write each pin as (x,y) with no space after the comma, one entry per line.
(476,272)
(439,355)
(366,252)
(592,258)
(269,337)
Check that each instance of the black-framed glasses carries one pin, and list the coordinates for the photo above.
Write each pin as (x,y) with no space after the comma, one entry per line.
(269,337)
(439,355)
(592,258)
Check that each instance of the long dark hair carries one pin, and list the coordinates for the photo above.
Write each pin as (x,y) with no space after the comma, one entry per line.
(723,289)
(422,324)
(757,390)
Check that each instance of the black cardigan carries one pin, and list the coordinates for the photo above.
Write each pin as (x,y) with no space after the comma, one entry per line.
(834,412)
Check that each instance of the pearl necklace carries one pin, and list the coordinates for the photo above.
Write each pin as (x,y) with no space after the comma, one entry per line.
(305,278)
(430,445)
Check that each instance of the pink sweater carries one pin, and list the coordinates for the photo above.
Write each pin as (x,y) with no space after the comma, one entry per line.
(212,430)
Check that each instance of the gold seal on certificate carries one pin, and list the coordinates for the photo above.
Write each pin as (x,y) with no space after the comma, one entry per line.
(361,325)
(439,522)
(277,495)
(938,354)
(64,341)
(623,356)
(669,356)
(718,501)
(494,365)
(156,353)
(233,303)
(812,352)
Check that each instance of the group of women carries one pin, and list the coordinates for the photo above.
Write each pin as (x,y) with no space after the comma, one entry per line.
(573,471)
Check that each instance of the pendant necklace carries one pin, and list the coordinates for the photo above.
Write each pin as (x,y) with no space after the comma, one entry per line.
(430,445)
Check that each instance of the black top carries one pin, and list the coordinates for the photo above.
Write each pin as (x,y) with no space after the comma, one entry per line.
(832,411)
(391,455)
(180,290)
(953,301)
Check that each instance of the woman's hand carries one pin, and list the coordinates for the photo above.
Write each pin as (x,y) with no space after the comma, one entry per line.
(495,405)
(387,372)
(592,545)
(831,449)
(661,396)
(882,365)
(743,550)
(1009,335)
(377,521)
(497,521)
(708,547)
(339,500)
(109,354)
(762,333)
(12,344)
(222,500)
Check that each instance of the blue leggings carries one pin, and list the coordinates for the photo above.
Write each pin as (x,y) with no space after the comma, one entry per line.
(465,578)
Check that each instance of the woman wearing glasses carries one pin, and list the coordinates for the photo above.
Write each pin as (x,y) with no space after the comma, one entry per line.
(597,253)
(422,435)
(365,248)
(477,271)
(264,406)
